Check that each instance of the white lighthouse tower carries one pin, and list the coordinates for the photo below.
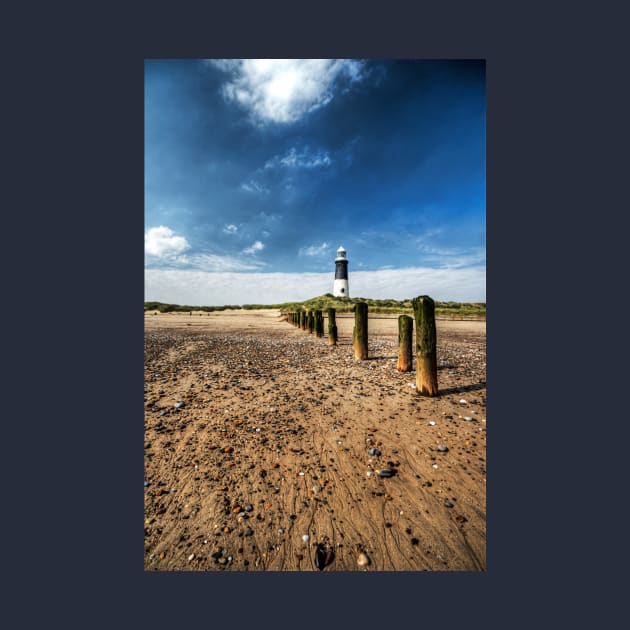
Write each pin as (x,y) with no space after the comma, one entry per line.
(340,286)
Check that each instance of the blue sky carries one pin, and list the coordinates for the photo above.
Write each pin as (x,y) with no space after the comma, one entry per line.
(257,170)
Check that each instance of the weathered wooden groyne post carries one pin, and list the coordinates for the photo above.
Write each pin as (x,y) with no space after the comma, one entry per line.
(311,322)
(426,346)
(360,331)
(319,323)
(303,320)
(405,333)
(332,328)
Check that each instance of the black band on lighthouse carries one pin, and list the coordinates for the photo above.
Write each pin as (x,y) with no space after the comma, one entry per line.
(341,270)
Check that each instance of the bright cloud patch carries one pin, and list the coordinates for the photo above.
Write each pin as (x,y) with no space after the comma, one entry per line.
(255,247)
(284,90)
(230,229)
(162,241)
(302,159)
(216,289)
(253,186)
(315,250)
(213,262)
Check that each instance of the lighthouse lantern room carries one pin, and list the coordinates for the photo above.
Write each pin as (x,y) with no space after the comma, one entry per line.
(340,286)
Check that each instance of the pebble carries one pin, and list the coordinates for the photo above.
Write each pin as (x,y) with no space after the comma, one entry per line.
(447,503)
(179,405)
(385,472)
(374,451)
(317,489)
(363,560)
(324,555)
(249,508)
(300,407)
(431,423)
(462,402)
(435,466)
(249,531)
(369,473)
(146,483)
(442,448)
(191,557)
(306,538)
(468,419)
(281,530)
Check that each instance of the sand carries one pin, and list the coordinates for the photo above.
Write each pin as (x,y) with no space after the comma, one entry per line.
(269,456)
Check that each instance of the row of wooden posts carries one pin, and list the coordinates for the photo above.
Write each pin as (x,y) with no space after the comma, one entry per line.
(426,340)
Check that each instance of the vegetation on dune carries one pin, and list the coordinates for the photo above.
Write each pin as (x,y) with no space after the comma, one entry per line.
(342,305)
(182,308)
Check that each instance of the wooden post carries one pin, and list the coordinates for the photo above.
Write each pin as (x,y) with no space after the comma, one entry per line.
(332,328)
(426,346)
(405,333)
(319,323)
(360,331)
(303,320)
(311,323)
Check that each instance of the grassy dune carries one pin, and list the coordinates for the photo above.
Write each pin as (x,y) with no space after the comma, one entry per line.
(343,305)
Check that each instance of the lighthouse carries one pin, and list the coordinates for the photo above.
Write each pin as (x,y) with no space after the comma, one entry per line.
(340,286)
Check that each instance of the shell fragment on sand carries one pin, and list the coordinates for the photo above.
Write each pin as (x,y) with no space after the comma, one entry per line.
(324,555)
(363,560)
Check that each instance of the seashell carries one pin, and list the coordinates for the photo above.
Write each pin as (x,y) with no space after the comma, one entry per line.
(323,556)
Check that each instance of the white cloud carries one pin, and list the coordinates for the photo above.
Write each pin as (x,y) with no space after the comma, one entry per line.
(253,186)
(284,90)
(303,159)
(314,250)
(215,289)
(255,247)
(165,251)
(161,241)
(203,262)
(213,262)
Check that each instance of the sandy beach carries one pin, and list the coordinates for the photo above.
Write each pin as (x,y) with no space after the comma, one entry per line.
(263,445)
